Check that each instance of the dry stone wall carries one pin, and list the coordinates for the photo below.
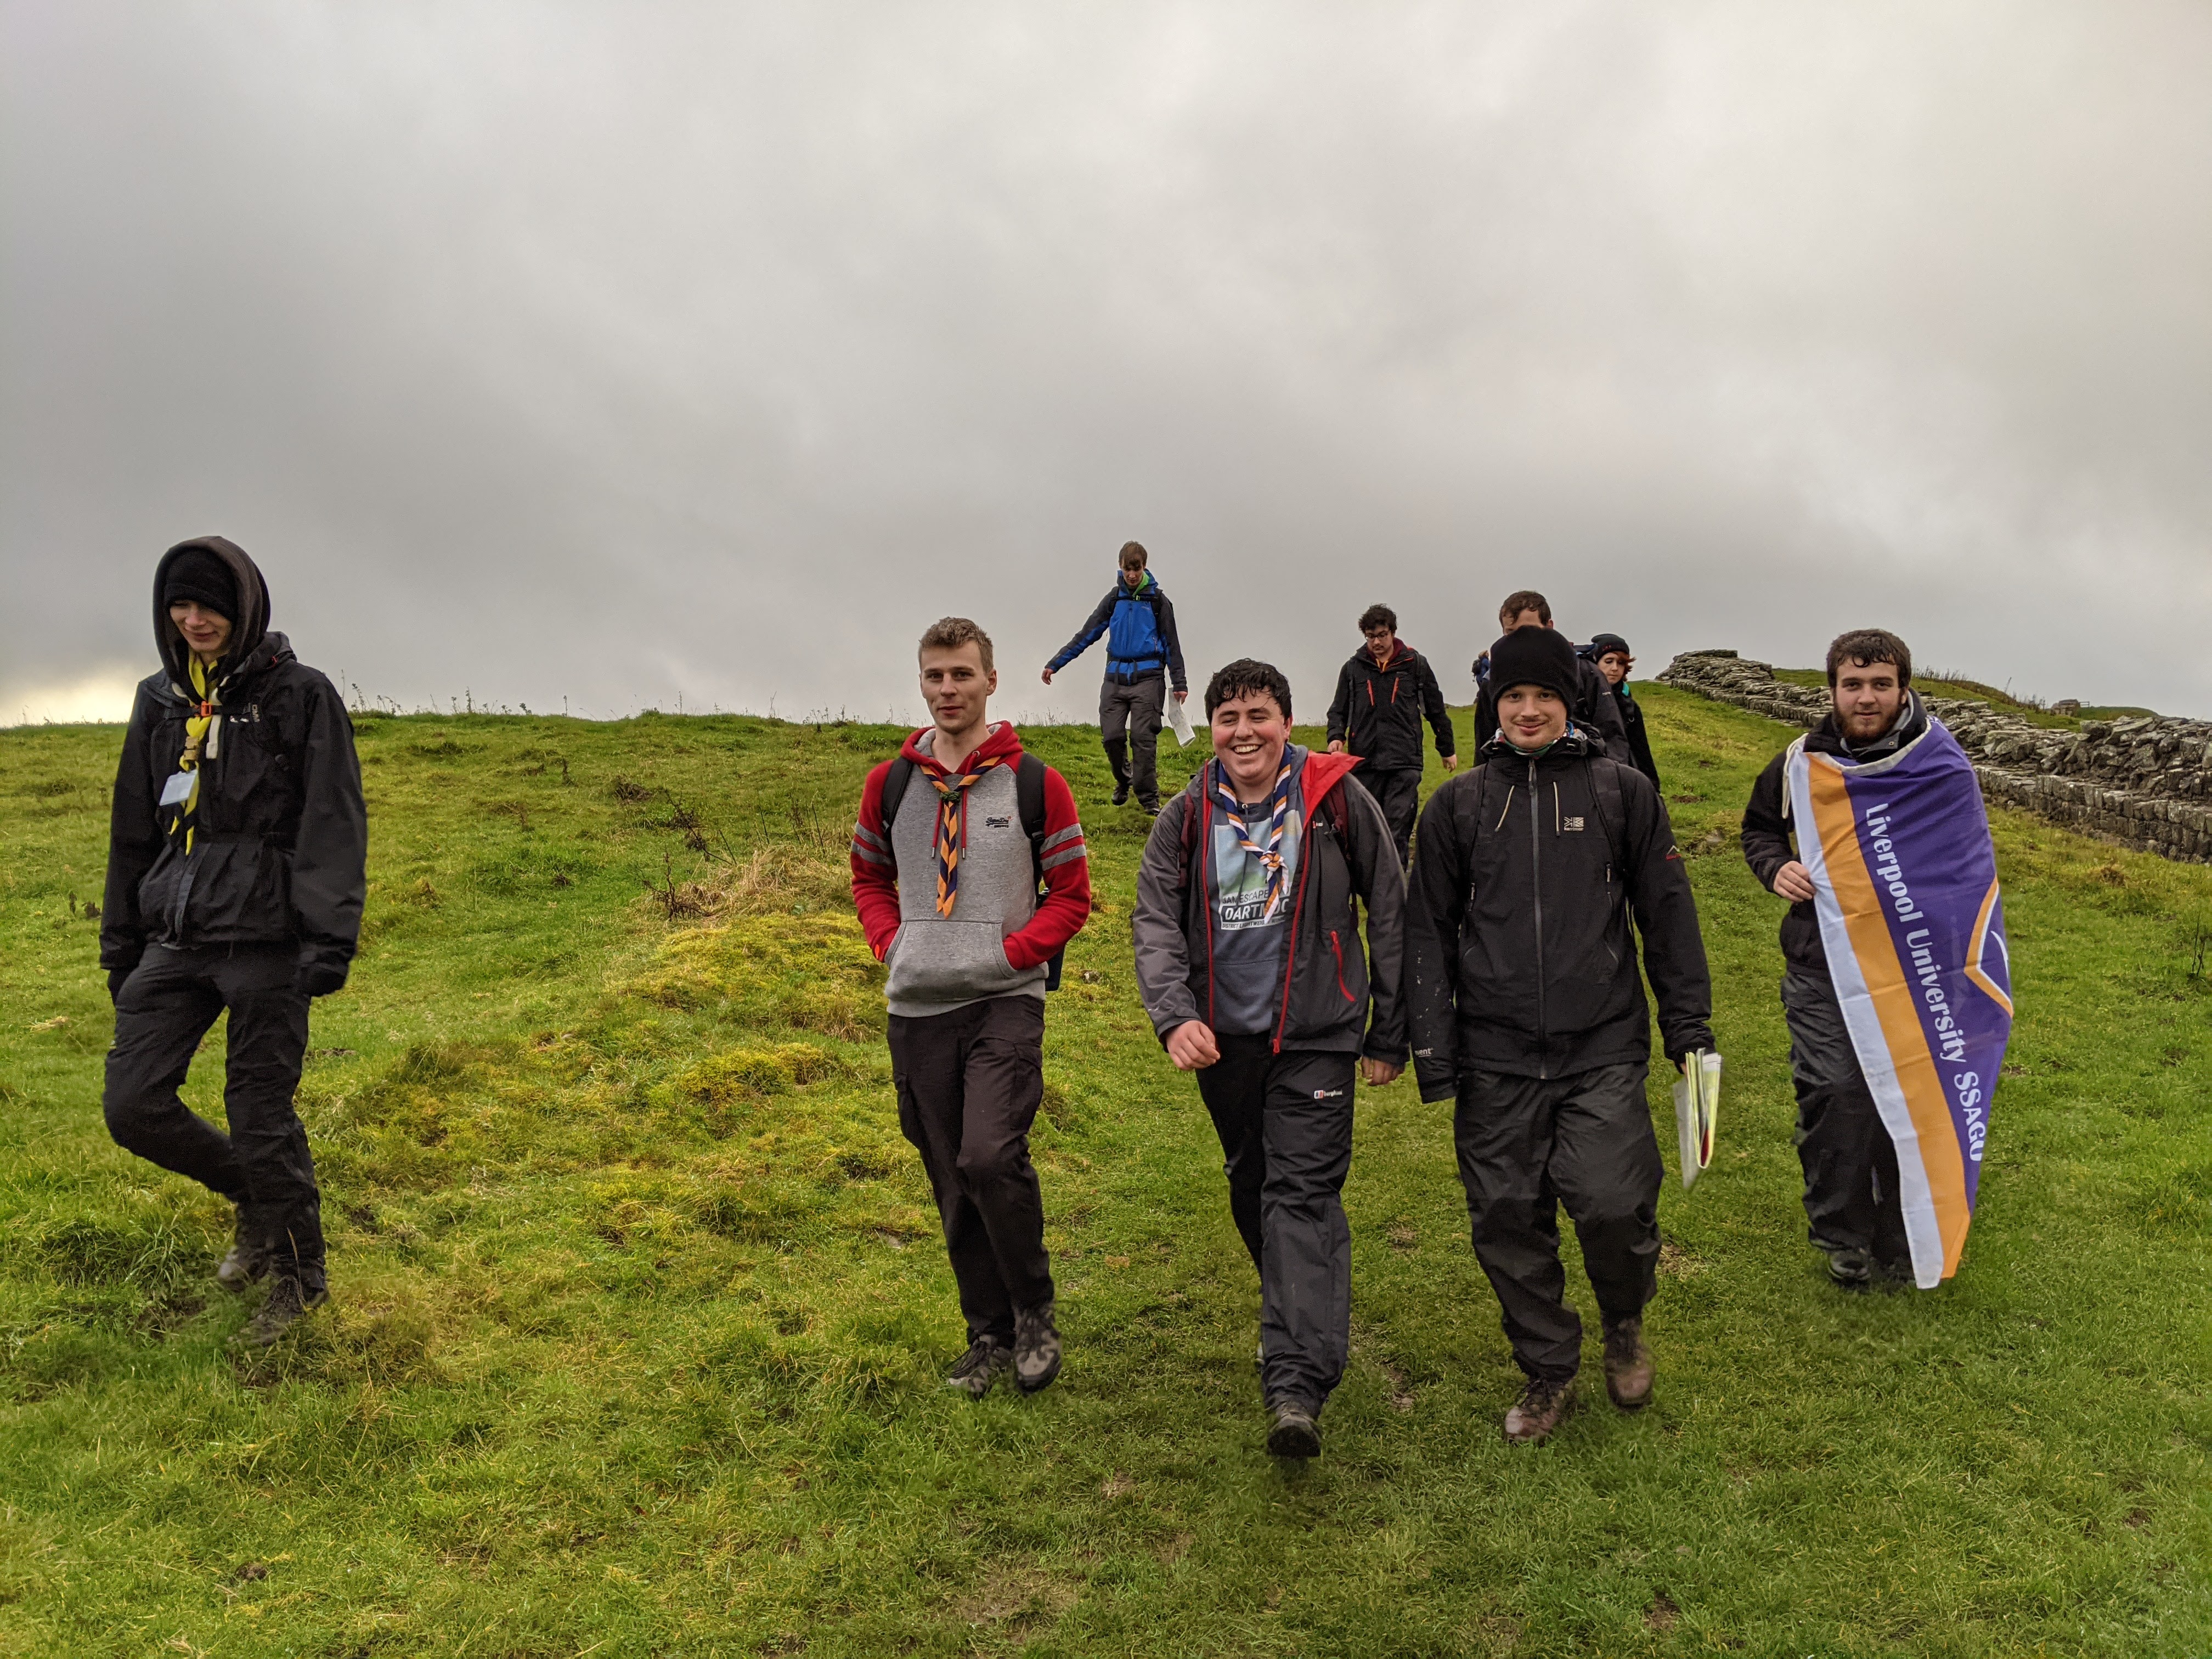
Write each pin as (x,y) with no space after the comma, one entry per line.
(2145,781)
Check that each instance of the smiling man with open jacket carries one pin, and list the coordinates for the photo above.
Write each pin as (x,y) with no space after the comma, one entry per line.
(1527,1008)
(235,877)
(1249,962)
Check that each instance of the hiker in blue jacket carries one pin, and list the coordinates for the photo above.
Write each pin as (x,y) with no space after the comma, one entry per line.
(1142,651)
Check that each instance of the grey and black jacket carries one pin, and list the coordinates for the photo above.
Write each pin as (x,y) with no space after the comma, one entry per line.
(1335,995)
(1767,837)
(1526,873)
(280,834)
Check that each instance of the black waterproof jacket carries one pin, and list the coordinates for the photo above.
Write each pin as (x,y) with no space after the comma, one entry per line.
(1522,958)
(1335,997)
(1595,709)
(1767,845)
(280,835)
(1377,713)
(1639,740)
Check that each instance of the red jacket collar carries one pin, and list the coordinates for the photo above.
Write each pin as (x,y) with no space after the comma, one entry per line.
(1323,772)
(1000,742)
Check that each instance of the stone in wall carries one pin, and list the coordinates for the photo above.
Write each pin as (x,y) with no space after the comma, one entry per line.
(2145,781)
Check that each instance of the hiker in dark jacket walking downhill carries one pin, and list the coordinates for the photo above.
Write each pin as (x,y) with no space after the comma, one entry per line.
(236,875)
(1526,1008)
(1248,961)
(953,838)
(1142,654)
(1382,694)
(1853,1211)
(1593,707)
(1609,654)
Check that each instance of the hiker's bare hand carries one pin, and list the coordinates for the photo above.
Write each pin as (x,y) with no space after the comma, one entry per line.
(1191,1046)
(1379,1073)
(1451,762)
(1794,882)
(1048,677)
(1336,745)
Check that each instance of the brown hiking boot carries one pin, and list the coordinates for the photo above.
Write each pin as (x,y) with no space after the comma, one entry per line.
(1627,1363)
(1539,1409)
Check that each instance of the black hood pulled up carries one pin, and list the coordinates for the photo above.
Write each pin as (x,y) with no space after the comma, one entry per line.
(248,629)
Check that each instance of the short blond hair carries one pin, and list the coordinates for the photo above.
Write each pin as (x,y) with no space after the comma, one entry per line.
(951,633)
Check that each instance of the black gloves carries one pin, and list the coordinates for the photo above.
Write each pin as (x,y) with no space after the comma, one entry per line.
(320,974)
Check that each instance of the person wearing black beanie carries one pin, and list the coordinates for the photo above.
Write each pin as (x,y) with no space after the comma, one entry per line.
(1528,1011)
(1609,654)
(236,871)
(1590,706)
(197,574)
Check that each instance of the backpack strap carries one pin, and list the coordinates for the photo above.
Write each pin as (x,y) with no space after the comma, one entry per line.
(1029,799)
(1605,789)
(895,783)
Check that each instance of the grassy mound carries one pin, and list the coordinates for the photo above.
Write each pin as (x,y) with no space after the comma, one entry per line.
(639,1309)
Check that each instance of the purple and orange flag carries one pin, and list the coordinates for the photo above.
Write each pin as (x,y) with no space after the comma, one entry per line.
(1905,885)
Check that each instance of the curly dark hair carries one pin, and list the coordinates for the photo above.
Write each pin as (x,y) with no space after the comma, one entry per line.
(1378,616)
(1865,646)
(1246,678)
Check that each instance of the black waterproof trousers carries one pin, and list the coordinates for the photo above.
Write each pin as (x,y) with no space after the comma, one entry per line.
(1129,714)
(1849,1162)
(1527,1145)
(1285,1126)
(166,1005)
(970,1084)
(1399,794)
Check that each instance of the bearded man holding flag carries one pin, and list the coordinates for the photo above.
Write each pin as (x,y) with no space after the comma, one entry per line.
(1897,986)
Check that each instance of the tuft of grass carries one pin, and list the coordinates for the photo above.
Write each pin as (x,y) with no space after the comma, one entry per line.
(640,1305)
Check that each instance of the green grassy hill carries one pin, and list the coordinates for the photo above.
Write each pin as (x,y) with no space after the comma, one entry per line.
(640,1310)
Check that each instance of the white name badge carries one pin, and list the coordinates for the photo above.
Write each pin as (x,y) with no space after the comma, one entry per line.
(174,791)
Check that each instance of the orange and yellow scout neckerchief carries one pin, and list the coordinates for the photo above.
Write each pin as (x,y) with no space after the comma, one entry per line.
(201,738)
(952,826)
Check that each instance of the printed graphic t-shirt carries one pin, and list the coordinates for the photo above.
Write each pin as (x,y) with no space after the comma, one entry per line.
(1248,939)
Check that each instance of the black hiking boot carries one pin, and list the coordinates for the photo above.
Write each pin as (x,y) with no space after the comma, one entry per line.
(287,1305)
(1121,794)
(247,1263)
(1848,1268)
(975,1372)
(1037,1348)
(1294,1433)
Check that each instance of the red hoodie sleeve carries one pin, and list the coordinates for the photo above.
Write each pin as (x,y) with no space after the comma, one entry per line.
(1066,906)
(875,867)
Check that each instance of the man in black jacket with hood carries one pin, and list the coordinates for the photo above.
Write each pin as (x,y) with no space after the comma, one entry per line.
(1526,1006)
(1851,1207)
(1382,696)
(235,877)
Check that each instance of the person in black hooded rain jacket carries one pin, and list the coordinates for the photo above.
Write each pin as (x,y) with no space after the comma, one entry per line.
(1609,654)
(1526,1007)
(235,877)
(1382,694)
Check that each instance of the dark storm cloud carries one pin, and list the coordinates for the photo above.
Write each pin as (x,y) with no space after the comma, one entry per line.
(621,353)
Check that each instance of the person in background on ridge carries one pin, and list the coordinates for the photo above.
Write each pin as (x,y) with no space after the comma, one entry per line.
(1383,694)
(1851,1207)
(1526,1007)
(953,839)
(237,859)
(1247,934)
(1609,654)
(1142,651)
(1593,707)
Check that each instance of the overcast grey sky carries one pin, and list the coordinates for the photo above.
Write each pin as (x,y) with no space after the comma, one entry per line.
(622,352)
